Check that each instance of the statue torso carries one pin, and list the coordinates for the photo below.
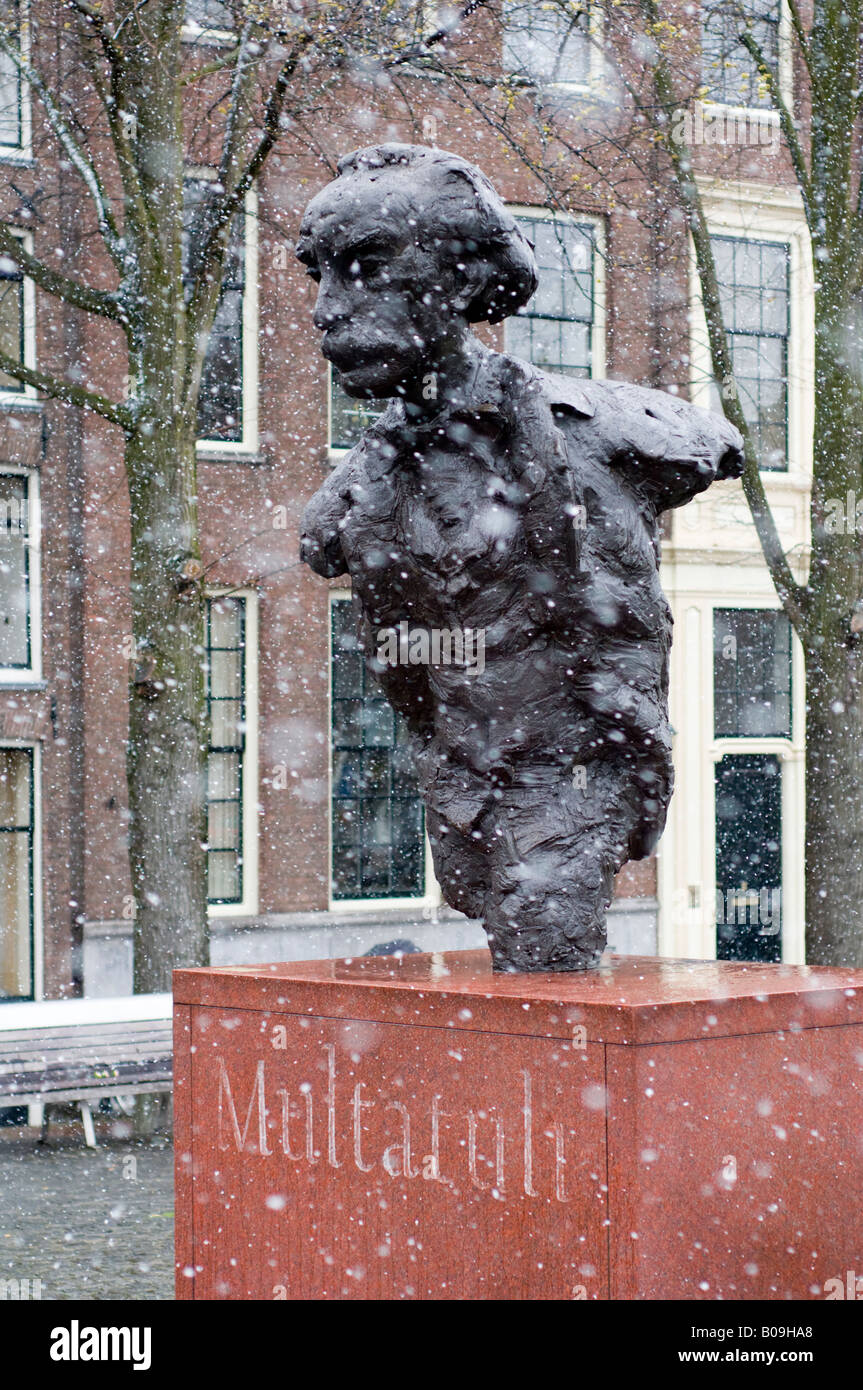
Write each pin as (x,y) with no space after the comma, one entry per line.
(486,519)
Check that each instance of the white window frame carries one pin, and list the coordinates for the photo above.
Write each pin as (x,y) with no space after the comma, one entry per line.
(432,898)
(758,212)
(25,395)
(597,74)
(36,926)
(768,114)
(216,38)
(32,674)
(687,850)
(250,825)
(250,441)
(598,354)
(22,153)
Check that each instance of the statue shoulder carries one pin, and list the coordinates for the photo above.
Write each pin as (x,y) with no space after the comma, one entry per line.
(323,516)
(667,447)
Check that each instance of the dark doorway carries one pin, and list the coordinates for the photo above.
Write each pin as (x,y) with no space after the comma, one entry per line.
(748,857)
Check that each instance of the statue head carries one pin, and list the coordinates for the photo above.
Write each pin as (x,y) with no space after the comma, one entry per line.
(410,246)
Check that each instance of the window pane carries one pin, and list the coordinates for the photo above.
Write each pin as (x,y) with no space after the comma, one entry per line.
(10,80)
(224,880)
(223,776)
(754,288)
(226,718)
(547,40)
(728,72)
(11,319)
(220,402)
(225,618)
(377,814)
(14,572)
(553,331)
(226,674)
(223,825)
(16,873)
(751,673)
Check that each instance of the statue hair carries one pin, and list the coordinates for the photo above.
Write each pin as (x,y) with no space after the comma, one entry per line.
(464,216)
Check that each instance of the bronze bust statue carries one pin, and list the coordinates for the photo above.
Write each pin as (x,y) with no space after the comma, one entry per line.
(495,507)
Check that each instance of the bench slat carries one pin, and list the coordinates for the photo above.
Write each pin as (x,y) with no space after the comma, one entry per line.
(92,1093)
(41,1046)
(55,1078)
(144,1054)
(27,1036)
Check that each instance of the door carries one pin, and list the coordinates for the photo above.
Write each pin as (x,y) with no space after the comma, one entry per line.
(748,857)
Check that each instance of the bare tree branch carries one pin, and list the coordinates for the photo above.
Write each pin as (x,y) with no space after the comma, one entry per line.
(234,196)
(107,223)
(114,101)
(100,27)
(61,389)
(62,286)
(792,595)
(207,69)
(802,42)
(786,120)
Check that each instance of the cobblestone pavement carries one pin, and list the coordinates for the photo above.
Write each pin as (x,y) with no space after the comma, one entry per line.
(92,1224)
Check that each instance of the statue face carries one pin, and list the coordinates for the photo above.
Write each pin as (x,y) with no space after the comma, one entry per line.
(387,307)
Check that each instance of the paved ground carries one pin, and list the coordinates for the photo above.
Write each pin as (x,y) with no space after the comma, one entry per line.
(94,1224)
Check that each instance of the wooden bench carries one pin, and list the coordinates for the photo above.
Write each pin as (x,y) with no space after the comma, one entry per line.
(59,1050)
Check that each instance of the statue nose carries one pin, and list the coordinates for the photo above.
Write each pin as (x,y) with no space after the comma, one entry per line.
(329,310)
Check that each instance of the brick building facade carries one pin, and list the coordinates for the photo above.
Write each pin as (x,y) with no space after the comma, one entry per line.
(316,838)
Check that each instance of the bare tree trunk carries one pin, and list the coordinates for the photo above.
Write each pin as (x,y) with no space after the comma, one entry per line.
(832,640)
(166,756)
(834,813)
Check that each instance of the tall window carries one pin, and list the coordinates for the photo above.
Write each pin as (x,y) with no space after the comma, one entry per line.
(555,329)
(11,321)
(754,284)
(15,586)
(548,40)
(226,709)
(11,86)
(16,873)
(220,403)
(752,700)
(728,71)
(377,815)
(751,673)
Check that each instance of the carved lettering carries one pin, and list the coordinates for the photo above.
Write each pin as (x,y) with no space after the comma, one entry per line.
(258,1099)
(480,1132)
(359,1106)
(527,1114)
(401,1151)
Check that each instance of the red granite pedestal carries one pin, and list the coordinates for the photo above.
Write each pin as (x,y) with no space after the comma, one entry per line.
(426,1129)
